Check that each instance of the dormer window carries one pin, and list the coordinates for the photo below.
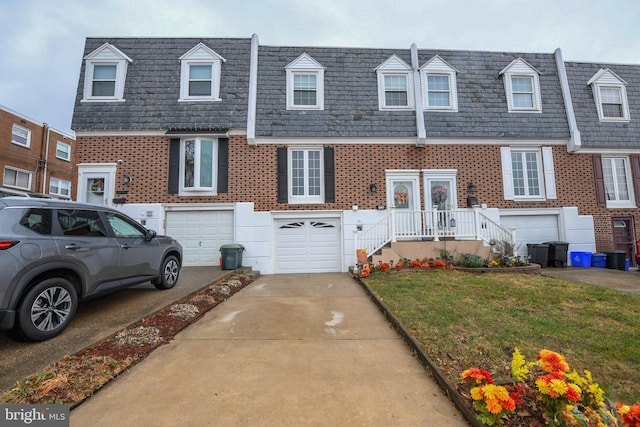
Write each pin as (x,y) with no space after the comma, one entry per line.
(439,85)
(522,87)
(610,94)
(395,85)
(200,74)
(105,74)
(305,84)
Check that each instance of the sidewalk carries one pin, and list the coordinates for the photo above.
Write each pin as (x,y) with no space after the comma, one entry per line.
(286,350)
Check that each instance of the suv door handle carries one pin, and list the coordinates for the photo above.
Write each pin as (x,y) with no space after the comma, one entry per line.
(125,246)
(72,246)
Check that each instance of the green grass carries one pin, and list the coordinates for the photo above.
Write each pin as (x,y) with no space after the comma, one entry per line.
(465,320)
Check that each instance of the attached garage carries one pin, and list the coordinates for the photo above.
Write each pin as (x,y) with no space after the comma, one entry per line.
(307,245)
(532,229)
(201,233)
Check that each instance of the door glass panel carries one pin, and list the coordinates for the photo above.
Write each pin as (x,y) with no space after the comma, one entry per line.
(95,187)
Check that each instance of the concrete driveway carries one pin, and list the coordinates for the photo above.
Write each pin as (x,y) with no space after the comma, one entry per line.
(286,350)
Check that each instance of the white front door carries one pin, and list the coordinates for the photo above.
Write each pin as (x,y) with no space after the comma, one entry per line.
(403,197)
(96,183)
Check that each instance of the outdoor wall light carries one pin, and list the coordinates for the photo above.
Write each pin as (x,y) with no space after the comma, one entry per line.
(452,223)
(127,179)
(373,188)
(471,188)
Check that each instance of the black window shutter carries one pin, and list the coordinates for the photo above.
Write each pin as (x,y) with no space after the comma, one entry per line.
(601,196)
(174,165)
(283,196)
(329,176)
(635,173)
(223,165)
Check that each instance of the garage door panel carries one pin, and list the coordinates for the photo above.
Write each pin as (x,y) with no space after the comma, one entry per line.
(307,246)
(532,229)
(201,234)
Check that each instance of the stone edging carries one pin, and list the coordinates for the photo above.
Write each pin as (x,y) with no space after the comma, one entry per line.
(457,399)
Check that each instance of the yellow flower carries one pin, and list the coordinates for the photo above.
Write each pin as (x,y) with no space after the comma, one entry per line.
(558,388)
(476,393)
(519,370)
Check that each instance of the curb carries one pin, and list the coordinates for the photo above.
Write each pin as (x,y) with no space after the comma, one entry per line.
(461,404)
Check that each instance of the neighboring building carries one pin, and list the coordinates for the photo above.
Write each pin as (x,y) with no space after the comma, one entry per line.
(304,154)
(35,159)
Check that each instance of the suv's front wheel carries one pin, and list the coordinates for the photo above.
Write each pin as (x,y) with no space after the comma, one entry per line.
(169,273)
(46,310)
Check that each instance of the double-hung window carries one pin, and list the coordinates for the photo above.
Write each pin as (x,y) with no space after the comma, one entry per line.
(305,84)
(439,85)
(60,187)
(17,178)
(395,85)
(305,175)
(528,173)
(104,74)
(198,165)
(20,136)
(522,87)
(200,72)
(438,91)
(396,90)
(63,151)
(610,94)
(617,181)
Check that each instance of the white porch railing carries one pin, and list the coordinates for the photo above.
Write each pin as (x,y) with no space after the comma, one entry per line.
(460,224)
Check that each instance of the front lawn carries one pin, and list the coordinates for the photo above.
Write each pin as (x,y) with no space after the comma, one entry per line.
(465,320)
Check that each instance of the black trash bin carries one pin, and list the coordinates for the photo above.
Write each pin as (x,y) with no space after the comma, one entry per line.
(557,254)
(538,253)
(616,259)
(231,256)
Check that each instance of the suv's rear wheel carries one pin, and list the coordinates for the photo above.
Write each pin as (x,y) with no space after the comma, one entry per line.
(169,273)
(46,309)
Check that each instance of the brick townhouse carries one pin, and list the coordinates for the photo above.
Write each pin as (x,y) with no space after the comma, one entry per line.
(304,154)
(35,159)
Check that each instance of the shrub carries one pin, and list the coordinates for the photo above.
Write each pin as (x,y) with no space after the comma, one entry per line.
(472,261)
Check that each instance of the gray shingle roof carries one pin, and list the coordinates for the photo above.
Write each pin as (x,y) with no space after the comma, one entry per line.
(596,134)
(152,88)
(351,97)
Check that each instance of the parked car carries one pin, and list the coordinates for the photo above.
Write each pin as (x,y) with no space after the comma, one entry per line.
(55,253)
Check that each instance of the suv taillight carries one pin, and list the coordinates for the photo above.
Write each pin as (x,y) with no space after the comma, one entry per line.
(6,244)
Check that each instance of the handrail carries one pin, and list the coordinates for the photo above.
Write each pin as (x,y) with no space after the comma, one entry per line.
(460,224)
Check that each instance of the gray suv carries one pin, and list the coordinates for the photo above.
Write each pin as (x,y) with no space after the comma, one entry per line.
(54,253)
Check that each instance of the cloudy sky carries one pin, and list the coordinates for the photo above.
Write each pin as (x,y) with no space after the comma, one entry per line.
(42,41)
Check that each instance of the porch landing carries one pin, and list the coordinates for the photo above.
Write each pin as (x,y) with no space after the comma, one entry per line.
(419,249)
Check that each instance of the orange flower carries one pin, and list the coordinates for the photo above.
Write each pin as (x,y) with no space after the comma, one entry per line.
(477,376)
(552,361)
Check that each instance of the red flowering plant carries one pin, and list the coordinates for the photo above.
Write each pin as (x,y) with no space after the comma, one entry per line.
(567,397)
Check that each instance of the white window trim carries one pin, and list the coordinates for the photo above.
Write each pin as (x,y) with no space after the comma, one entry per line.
(199,191)
(631,203)
(305,65)
(105,55)
(545,172)
(67,159)
(395,66)
(520,68)
(304,199)
(200,55)
(606,78)
(30,174)
(27,130)
(436,66)
(62,183)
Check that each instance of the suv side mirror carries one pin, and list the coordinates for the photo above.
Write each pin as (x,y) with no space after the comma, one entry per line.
(150,234)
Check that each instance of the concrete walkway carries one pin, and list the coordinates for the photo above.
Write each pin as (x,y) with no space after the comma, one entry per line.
(286,350)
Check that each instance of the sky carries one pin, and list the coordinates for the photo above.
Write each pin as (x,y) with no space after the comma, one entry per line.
(42,41)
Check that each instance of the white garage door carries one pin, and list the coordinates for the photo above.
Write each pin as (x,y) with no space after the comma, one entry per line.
(307,245)
(532,229)
(201,234)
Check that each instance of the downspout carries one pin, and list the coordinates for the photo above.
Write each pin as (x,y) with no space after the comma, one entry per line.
(45,128)
(575,143)
(253,89)
(421,131)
